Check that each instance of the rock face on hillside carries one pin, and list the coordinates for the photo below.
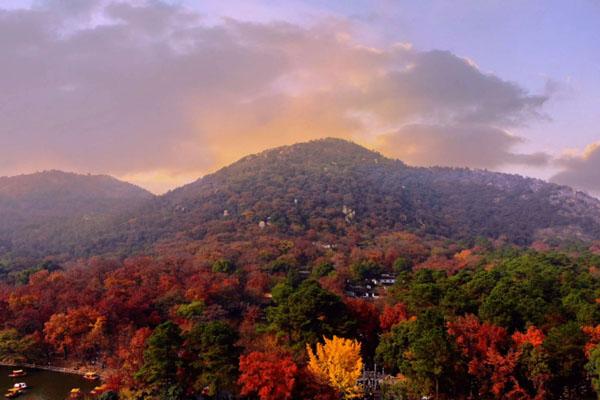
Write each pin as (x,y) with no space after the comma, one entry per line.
(332,187)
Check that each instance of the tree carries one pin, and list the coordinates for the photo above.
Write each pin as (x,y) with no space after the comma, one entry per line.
(162,363)
(322,269)
(420,349)
(191,310)
(594,337)
(304,314)
(565,345)
(212,357)
(366,316)
(13,347)
(80,330)
(532,336)
(131,355)
(477,342)
(402,264)
(392,316)
(224,266)
(338,363)
(365,269)
(431,351)
(270,376)
(512,367)
(593,368)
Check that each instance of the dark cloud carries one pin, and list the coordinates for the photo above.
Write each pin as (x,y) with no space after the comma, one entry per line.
(149,89)
(442,87)
(581,171)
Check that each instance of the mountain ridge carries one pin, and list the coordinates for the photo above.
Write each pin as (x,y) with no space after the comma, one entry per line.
(306,187)
(329,188)
(60,178)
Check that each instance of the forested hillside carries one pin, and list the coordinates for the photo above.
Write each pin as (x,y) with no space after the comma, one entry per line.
(321,190)
(324,189)
(256,319)
(286,274)
(54,212)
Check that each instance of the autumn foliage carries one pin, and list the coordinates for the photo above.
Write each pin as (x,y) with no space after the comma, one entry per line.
(493,356)
(532,336)
(268,375)
(594,337)
(80,330)
(338,363)
(392,315)
(234,319)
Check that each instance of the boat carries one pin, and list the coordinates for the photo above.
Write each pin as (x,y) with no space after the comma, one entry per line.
(98,390)
(13,392)
(17,373)
(75,393)
(91,376)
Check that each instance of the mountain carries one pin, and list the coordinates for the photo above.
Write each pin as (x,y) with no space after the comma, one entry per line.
(48,212)
(329,188)
(325,190)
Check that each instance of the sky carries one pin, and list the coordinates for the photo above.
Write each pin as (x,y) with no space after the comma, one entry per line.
(159,93)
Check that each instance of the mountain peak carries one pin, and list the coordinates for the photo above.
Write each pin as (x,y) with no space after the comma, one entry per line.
(327,149)
(319,154)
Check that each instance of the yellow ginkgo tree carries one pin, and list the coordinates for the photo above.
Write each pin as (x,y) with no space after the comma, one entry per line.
(338,364)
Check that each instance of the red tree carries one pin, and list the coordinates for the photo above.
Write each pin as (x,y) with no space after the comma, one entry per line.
(367,316)
(482,344)
(268,375)
(493,358)
(131,357)
(533,336)
(392,316)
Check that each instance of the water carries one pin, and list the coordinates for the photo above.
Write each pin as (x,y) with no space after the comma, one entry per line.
(44,385)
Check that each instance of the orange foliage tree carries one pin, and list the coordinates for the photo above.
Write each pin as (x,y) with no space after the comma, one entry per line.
(493,357)
(80,330)
(130,358)
(338,363)
(594,333)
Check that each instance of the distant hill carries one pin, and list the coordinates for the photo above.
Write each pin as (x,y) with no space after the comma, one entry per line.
(323,190)
(48,212)
(326,188)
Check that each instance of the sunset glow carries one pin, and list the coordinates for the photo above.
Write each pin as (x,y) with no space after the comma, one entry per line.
(161,92)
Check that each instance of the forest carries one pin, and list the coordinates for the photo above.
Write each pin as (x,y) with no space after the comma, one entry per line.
(273,319)
(320,190)
(299,200)
(320,270)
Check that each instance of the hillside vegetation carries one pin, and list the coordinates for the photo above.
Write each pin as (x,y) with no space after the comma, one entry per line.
(54,212)
(324,189)
(320,190)
(283,275)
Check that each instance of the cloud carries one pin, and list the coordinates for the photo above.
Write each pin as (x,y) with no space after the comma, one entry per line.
(148,89)
(476,146)
(581,171)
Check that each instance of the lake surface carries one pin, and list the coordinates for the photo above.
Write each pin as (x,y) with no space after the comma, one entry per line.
(44,385)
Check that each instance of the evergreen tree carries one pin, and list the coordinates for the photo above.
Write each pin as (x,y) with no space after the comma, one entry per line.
(162,363)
